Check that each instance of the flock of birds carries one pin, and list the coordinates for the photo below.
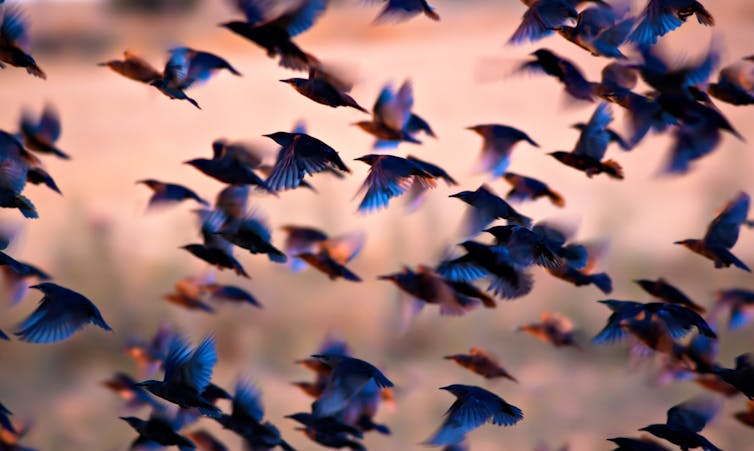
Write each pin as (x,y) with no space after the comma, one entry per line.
(348,391)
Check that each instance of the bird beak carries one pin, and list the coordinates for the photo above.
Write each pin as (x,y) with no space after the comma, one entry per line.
(318,356)
(287,80)
(447,387)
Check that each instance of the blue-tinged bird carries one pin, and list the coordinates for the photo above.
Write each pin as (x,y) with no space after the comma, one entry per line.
(329,432)
(300,155)
(722,234)
(129,391)
(666,292)
(187,67)
(685,421)
(60,313)
(40,135)
(214,249)
(14,41)
(740,301)
(390,176)
(167,194)
(274,32)
(590,149)
(525,188)
(660,17)
(526,246)
(399,10)
(231,163)
(485,207)
(497,146)
(541,18)
(473,407)
(230,293)
(349,375)
(187,374)
(600,30)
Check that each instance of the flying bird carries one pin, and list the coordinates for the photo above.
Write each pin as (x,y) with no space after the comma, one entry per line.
(134,67)
(541,18)
(482,363)
(497,146)
(525,188)
(664,291)
(660,17)
(735,83)
(15,168)
(325,86)
(399,10)
(552,328)
(157,430)
(60,313)
(253,234)
(390,176)
(485,207)
(473,407)
(166,194)
(685,421)
(231,163)
(300,155)
(14,41)
(40,135)
(548,62)
(740,301)
(742,376)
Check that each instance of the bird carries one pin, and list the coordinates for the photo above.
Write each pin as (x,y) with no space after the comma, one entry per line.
(14,41)
(525,188)
(722,234)
(685,421)
(541,18)
(214,249)
(497,146)
(548,62)
(129,391)
(636,444)
(16,275)
(15,167)
(528,246)
(325,86)
(746,416)
(328,432)
(39,135)
(391,176)
(485,207)
(590,149)
(742,376)
(418,192)
(253,234)
(133,67)
(473,407)
(187,374)
(584,275)
(660,17)
(393,121)
(188,293)
(552,328)
(301,154)
(165,194)
(482,363)
(232,164)
(664,291)
(230,293)
(349,375)
(600,30)
(275,33)
(157,429)
(399,10)
(60,313)
(735,83)
(740,301)
(187,67)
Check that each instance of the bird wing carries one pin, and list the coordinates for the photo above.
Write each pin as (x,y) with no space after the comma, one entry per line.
(723,230)
(695,413)
(13,29)
(394,109)
(248,400)
(55,319)
(383,183)
(343,248)
(177,67)
(49,124)
(302,17)
(463,416)
(178,355)
(594,138)
(197,371)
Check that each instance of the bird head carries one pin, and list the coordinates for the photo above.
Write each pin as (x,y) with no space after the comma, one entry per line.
(282,138)
(133,421)
(45,287)
(370,159)
(293,81)
(457,389)
(331,360)
(466,196)
(689,243)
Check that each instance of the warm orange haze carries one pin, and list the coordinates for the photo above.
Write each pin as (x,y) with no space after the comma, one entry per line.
(527,339)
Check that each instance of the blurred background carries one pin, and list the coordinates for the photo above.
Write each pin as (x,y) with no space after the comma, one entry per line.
(97,238)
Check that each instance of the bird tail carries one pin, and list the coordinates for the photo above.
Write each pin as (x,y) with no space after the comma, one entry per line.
(613,169)
(704,17)
(556,198)
(36,71)
(603,282)
(25,206)
(432,14)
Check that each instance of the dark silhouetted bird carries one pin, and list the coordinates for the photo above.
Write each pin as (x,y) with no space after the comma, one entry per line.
(325,86)
(482,363)
(392,119)
(40,134)
(16,274)
(485,207)
(231,164)
(187,67)
(722,234)
(526,246)
(399,10)
(187,374)
(15,167)
(60,313)
(541,18)
(215,250)
(253,234)
(660,17)
(166,194)
(134,67)
(740,301)
(325,434)
(473,407)
(664,291)
(742,376)
(391,176)
(274,33)
(552,328)
(548,62)
(157,430)
(636,444)
(497,147)
(14,41)
(528,188)
(735,83)
(300,155)
(684,423)
(590,149)
(349,375)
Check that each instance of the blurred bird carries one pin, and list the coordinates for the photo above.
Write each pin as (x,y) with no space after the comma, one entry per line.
(128,390)
(134,67)
(548,62)
(215,250)
(399,10)
(16,275)
(664,291)
(741,304)
(60,313)
(149,355)
(14,41)
(166,194)
(742,376)
(325,86)
(497,147)
(418,192)
(232,201)
(157,429)
(541,18)
(231,164)
(300,155)
(40,134)
(349,376)
(584,276)
(684,423)
(735,84)
(615,137)
(473,407)
(486,207)
(329,432)
(392,119)
(253,234)
(527,247)
(327,254)
(660,17)
(391,176)
(187,293)
(246,419)
(553,328)
(230,293)
(187,374)
(274,33)
(528,188)
(590,149)
(15,166)
(187,67)
(600,30)
(482,363)
(722,234)
(635,444)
